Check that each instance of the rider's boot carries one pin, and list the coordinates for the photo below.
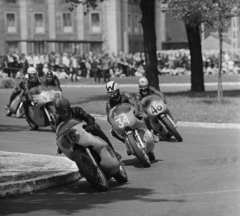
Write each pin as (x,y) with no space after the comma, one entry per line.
(151,156)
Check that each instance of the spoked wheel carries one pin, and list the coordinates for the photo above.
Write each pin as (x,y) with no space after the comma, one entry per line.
(53,122)
(171,128)
(20,111)
(138,151)
(93,174)
(121,176)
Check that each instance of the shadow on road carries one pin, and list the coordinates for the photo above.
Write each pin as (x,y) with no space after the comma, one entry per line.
(75,197)
(136,163)
(17,128)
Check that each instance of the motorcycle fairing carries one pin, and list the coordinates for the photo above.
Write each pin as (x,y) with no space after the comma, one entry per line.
(15,103)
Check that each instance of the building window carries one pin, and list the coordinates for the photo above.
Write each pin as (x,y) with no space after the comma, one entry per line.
(95,24)
(136,24)
(11,2)
(130,23)
(39,23)
(39,1)
(67,23)
(11,23)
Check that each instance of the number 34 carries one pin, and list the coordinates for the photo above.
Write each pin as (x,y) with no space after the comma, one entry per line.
(122,120)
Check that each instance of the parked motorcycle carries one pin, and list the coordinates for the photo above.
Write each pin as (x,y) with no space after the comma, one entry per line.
(160,121)
(96,161)
(16,107)
(138,139)
(42,111)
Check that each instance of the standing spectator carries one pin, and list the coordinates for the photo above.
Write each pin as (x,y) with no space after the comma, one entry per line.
(74,67)
(51,61)
(57,62)
(23,64)
(30,59)
(36,64)
(96,69)
(42,61)
(10,64)
(66,62)
(106,63)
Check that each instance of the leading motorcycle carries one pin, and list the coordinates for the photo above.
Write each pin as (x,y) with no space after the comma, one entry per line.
(138,139)
(96,161)
(42,109)
(156,109)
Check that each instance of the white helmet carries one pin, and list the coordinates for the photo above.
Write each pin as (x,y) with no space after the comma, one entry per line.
(143,81)
(111,86)
(31,70)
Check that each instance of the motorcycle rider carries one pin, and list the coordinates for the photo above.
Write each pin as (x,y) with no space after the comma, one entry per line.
(66,112)
(32,81)
(20,86)
(51,80)
(116,97)
(145,90)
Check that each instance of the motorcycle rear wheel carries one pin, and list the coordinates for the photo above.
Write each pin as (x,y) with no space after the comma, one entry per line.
(171,128)
(32,125)
(121,176)
(94,175)
(8,113)
(138,152)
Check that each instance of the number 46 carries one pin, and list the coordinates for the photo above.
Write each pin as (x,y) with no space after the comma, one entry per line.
(123,119)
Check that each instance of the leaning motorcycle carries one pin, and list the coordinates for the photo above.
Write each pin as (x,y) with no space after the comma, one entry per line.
(138,139)
(16,107)
(42,112)
(95,159)
(156,109)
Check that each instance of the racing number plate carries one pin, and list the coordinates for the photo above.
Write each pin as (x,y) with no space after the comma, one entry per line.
(122,121)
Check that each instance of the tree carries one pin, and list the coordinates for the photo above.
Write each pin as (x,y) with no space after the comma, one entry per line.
(149,35)
(211,13)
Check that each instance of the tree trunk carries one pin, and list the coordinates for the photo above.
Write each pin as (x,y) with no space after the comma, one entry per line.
(194,43)
(149,37)
(220,89)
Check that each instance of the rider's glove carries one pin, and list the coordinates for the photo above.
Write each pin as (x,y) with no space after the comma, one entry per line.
(90,127)
(138,115)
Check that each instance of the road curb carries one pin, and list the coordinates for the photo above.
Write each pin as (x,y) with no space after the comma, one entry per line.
(193,124)
(36,184)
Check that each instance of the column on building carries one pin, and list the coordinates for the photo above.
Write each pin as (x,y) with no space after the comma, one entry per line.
(110,31)
(23,26)
(160,25)
(125,27)
(52,23)
(80,25)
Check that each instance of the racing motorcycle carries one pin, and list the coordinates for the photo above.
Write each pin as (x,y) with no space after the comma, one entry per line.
(16,107)
(160,121)
(138,139)
(42,109)
(96,161)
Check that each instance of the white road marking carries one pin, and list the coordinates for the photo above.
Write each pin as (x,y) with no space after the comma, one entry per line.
(206,193)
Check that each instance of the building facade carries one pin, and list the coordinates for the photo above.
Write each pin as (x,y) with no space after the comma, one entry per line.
(43,26)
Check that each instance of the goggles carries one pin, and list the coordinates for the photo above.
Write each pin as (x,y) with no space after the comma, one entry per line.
(112,94)
(144,88)
(62,111)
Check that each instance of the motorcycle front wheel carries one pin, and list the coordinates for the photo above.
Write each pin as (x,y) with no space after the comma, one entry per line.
(171,128)
(20,111)
(93,174)
(8,113)
(121,175)
(138,151)
(32,125)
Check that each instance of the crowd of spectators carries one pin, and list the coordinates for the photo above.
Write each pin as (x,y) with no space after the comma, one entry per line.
(104,66)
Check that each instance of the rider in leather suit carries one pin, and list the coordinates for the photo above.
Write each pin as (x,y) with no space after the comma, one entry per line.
(116,97)
(32,82)
(65,111)
(51,80)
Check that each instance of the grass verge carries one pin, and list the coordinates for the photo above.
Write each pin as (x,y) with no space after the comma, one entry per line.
(190,106)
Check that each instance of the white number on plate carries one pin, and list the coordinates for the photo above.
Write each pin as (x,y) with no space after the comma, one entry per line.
(122,120)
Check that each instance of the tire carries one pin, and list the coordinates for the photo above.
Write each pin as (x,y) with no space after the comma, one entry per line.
(20,111)
(86,168)
(171,128)
(8,113)
(53,122)
(139,153)
(32,125)
(121,176)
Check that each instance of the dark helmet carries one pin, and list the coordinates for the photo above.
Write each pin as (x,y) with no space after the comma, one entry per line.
(143,86)
(62,107)
(113,91)
(49,76)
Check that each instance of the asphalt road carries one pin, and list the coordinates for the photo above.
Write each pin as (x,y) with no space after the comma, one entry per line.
(199,176)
